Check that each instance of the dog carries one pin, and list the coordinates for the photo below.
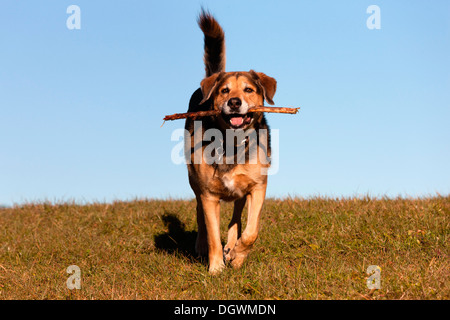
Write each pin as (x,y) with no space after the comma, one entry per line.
(245,181)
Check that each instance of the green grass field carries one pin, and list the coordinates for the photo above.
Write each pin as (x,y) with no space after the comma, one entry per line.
(307,249)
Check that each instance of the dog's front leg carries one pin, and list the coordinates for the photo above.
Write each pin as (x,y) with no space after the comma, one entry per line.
(243,246)
(211,209)
(234,228)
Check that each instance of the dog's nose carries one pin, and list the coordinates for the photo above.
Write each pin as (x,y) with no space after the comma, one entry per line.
(234,103)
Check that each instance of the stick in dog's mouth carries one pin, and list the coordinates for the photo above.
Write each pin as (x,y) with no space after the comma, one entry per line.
(208,113)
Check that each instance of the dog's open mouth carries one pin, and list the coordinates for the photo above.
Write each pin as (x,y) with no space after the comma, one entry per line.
(238,121)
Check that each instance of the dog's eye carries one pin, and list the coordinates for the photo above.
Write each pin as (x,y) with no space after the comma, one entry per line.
(225,90)
(248,90)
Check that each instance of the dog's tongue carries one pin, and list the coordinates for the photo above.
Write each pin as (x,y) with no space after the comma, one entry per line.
(237,121)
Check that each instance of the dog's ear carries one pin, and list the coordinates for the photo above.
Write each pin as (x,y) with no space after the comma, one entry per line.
(267,84)
(208,85)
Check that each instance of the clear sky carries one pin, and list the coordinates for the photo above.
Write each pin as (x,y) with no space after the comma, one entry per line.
(81,109)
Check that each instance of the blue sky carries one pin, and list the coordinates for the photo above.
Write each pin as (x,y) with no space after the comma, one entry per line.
(81,110)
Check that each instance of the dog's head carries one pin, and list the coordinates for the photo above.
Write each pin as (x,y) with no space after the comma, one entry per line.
(234,93)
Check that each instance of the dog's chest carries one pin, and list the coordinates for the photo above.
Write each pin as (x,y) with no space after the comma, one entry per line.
(232,185)
(229,183)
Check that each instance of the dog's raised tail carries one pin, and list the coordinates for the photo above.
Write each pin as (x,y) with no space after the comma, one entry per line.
(214,56)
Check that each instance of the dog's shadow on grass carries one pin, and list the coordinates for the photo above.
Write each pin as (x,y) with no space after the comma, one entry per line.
(177,240)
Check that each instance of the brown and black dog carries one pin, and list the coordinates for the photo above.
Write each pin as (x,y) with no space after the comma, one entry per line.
(230,177)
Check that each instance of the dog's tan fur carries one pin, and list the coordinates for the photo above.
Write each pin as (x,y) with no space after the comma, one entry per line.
(241,183)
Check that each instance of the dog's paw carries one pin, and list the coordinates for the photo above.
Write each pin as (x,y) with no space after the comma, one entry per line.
(237,255)
(216,268)
(228,249)
(228,254)
(237,260)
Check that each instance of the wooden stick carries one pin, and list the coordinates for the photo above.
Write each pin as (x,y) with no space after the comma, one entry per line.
(274,109)
(200,114)
(194,115)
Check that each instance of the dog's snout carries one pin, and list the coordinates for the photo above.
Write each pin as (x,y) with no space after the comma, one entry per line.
(234,103)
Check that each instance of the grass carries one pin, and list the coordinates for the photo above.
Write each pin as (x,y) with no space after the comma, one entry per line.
(307,249)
